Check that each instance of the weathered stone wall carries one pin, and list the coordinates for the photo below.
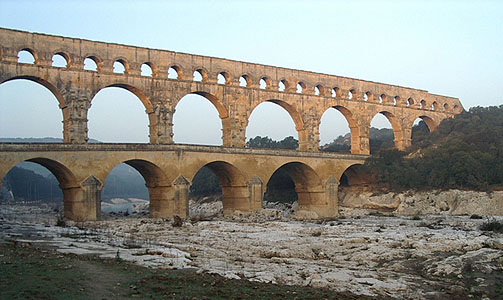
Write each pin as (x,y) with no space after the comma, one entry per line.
(358,100)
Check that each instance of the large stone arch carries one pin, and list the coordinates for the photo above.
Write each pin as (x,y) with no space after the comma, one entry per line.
(311,191)
(223,113)
(74,192)
(432,124)
(399,138)
(294,115)
(156,181)
(354,129)
(354,174)
(235,190)
(65,112)
(144,99)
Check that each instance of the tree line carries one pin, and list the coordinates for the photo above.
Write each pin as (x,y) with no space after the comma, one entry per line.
(464,152)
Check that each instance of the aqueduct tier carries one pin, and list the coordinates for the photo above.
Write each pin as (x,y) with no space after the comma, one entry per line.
(168,170)
(304,95)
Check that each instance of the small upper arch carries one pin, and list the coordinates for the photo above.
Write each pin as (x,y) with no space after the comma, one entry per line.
(351,93)
(245,80)
(422,104)
(336,92)
(223,78)
(121,65)
(93,63)
(319,90)
(301,87)
(265,83)
(383,98)
(200,74)
(27,56)
(367,96)
(148,69)
(175,72)
(61,60)
(283,85)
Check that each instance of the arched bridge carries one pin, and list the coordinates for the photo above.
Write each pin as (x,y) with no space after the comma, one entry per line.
(168,169)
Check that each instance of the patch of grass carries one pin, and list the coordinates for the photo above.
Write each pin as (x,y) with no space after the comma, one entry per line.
(495,226)
(416,218)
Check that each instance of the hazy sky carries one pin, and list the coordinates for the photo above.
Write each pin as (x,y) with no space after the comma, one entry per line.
(450,48)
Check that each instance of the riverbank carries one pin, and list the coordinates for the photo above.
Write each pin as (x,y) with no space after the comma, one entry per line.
(429,257)
(34,272)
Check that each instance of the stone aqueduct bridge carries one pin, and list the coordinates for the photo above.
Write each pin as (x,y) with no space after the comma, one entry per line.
(168,169)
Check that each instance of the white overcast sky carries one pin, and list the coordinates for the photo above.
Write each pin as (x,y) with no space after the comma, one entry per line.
(450,48)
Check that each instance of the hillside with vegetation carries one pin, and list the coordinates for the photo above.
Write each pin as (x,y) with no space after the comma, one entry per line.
(465,152)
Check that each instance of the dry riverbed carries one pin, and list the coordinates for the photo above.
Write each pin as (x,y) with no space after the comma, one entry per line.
(428,257)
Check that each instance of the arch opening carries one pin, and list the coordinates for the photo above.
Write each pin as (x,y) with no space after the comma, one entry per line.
(420,131)
(223,78)
(26,56)
(200,75)
(300,87)
(31,182)
(120,67)
(147,70)
(282,85)
(335,130)
(350,94)
(39,181)
(174,72)
(265,83)
(287,121)
(244,81)
(217,188)
(335,92)
(422,104)
(128,188)
(292,186)
(382,132)
(396,100)
(117,116)
(91,64)
(354,175)
(28,110)
(200,118)
(60,60)
(318,90)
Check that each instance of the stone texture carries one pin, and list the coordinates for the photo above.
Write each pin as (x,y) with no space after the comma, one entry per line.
(356,201)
